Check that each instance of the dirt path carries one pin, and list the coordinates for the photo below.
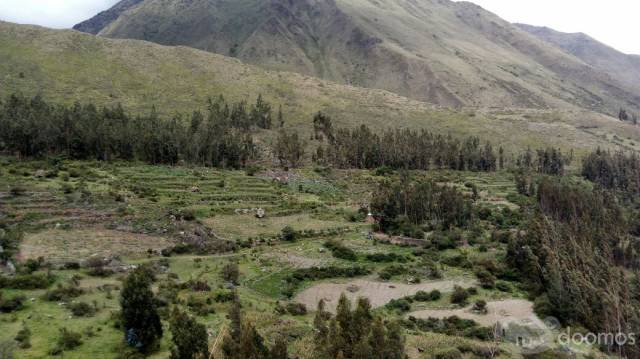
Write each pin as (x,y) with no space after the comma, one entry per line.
(507,311)
(379,293)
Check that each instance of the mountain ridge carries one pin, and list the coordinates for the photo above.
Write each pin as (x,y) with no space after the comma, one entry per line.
(66,66)
(448,53)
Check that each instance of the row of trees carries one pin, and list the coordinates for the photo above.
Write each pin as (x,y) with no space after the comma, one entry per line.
(408,204)
(219,137)
(618,171)
(356,333)
(570,257)
(550,161)
(418,150)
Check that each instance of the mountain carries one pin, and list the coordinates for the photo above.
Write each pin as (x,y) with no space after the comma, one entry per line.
(98,22)
(67,66)
(448,53)
(624,68)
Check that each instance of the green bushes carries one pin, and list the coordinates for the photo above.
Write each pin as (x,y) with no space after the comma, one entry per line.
(23,338)
(68,340)
(390,271)
(459,295)
(402,304)
(453,326)
(8,305)
(292,281)
(63,293)
(422,296)
(292,308)
(27,281)
(288,234)
(82,309)
(339,250)
(386,257)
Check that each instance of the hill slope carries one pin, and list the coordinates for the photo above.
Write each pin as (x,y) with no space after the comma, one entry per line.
(625,68)
(67,66)
(444,52)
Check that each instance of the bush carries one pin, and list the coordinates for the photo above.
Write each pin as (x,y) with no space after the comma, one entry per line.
(23,338)
(341,251)
(223,296)
(63,293)
(503,286)
(296,308)
(386,257)
(8,305)
(230,273)
(480,306)
(27,281)
(68,340)
(288,234)
(422,296)
(82,309)
(486,279)
(401,305)
(388,272)
(17,191)
(459,295)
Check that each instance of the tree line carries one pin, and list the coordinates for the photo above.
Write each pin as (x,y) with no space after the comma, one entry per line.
(617,171)
(364,148)
(570,255)
(220,136)
(404,207)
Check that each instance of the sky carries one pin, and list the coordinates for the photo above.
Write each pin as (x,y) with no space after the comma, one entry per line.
(612,21)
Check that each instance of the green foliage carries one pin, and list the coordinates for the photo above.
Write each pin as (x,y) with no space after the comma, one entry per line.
(618,171)
(141,322)
(230,273)
(23,338)
(339,250)
(10,239)
(418,203)
(33,127)
(289,149)
(82,309)
(68,340)
(389,272)
(454,326)
(27,281)
(356,333)
(459,295)
(288,234)
(12,304)
(190,339)
(407,149)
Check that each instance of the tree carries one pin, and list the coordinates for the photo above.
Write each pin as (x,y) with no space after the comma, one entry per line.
(289,149)
(230,273)
(140,317)
(189,337)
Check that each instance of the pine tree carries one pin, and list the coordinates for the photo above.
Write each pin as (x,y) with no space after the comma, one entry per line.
(139,313)
(189,337)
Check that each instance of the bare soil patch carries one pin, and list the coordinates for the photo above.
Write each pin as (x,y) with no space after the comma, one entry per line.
(379,293)
(507,311)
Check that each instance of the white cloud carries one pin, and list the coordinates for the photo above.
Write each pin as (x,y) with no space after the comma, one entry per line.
(51,13)
(613,22)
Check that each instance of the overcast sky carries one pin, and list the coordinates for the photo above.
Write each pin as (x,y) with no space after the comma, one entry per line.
(612,21)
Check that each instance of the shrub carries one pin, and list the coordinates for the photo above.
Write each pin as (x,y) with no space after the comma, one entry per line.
(401,305)
(288,234)
(386,257)
(68,340)
(339,250)
(388,272)
(223,296)
(486,279)
(8,305)
(63,293)
(27,281)
(459,295)
(230,273)
(503,286)
(17,191)
(23,338)
(422,296)
(82,309)
(480,306)
(296,308)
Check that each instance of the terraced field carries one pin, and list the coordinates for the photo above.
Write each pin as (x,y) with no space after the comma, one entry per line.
(190,222)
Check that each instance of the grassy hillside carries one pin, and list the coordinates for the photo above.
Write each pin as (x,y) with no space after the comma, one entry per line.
(444,52)
(68,66)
